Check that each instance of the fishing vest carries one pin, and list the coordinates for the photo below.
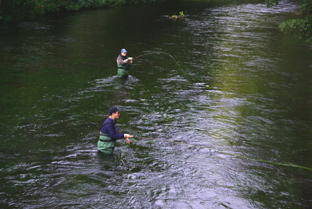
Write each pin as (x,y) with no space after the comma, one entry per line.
(124,67)
(104,137)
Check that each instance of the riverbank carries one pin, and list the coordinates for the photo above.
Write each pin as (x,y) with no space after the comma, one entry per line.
(18,10)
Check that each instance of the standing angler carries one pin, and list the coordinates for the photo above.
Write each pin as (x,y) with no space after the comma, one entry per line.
(123,63)
(110,133)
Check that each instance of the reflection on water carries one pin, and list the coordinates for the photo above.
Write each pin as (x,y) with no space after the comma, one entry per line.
(219,106)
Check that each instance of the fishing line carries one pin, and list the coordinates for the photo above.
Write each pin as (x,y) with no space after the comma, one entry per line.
(201,146)
(154,53)
(158,52)
(227,153)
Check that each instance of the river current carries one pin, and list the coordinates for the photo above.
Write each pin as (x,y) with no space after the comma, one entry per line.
(219,103)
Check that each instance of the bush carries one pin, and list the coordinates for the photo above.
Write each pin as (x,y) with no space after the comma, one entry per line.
(271,3)
(300,28)
(306,7)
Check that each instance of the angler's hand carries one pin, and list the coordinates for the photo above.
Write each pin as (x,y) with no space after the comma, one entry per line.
(127,136)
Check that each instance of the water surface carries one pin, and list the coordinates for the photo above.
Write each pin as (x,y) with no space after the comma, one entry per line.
(222,97)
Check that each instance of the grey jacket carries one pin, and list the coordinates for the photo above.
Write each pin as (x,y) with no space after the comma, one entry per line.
(122,60)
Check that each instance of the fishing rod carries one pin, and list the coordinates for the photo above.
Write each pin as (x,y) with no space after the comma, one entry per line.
(139,137)
(228,153)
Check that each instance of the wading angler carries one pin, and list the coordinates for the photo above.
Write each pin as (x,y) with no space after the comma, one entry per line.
(110,132)
(123,64)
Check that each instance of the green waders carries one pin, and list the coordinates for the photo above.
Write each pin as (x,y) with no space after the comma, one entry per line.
(106,144)
(123,70)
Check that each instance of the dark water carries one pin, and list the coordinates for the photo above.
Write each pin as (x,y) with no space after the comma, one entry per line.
(230,112)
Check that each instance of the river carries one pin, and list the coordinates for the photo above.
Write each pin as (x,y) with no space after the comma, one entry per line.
(219,103)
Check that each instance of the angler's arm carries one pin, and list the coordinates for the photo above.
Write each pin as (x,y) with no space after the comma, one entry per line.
(112,133)
(121,61)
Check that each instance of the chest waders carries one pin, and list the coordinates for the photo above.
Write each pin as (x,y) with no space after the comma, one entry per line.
(123,70)
(105,143)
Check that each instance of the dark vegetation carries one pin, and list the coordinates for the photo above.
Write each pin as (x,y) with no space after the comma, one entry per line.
(18,10)
(301,26)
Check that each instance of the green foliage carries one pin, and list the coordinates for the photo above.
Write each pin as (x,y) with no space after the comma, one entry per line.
(271,3)
(300,28)
(306,6)
(174,17)
(138,1)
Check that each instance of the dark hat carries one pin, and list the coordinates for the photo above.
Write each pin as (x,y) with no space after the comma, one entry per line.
(114,110)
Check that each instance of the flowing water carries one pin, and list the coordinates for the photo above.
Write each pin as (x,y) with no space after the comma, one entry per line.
(219,103)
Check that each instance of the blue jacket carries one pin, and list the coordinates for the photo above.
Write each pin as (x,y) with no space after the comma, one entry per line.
(110,129)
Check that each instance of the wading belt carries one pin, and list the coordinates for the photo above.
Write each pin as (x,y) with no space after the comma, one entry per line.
(104,137)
